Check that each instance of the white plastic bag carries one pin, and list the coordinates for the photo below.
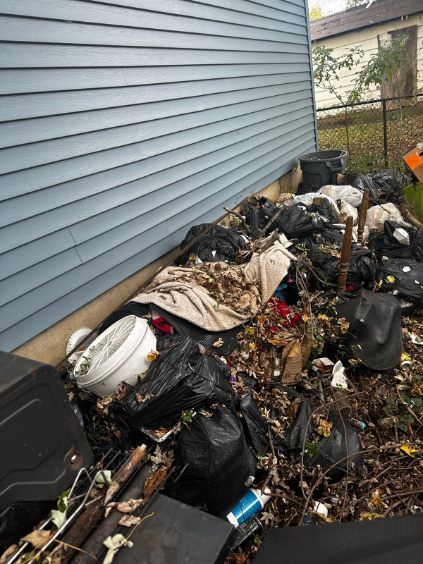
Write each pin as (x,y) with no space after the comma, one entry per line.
(366,233)
(345,192)
(346,210)
(377,215)
(307,199)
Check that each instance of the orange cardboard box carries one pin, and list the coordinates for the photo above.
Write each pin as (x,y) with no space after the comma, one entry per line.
(414,161)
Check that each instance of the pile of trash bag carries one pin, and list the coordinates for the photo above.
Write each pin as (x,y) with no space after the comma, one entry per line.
(269,381)
(384,186)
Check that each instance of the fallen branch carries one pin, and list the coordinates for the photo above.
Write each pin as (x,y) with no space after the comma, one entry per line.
(125,472)
(335,465)
(240,217)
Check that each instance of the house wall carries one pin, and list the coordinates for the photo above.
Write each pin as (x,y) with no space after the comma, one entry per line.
(367,39)
(122,123)
(50,345)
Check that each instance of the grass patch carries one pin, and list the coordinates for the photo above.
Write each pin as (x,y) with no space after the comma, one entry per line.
(364,141)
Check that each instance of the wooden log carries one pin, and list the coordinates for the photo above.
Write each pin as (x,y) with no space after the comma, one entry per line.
(345,255)
(125,472)
(107,526)
(93,513)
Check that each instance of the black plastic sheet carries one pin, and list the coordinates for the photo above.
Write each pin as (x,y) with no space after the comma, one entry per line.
(301,428)
(130,308)
(374,334)
(226,339)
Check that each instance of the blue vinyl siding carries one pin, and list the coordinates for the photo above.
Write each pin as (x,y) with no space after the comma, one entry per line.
(124,122)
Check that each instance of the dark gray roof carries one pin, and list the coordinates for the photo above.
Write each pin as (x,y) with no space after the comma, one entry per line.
(361,17)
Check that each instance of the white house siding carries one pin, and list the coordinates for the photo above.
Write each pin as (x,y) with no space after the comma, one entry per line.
(367,39)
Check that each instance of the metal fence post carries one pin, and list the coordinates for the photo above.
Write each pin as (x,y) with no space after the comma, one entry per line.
(385,131)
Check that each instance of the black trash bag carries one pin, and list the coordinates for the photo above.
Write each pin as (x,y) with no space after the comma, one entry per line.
(385,244)
(362,267)
(130,308)
(325,210)
(180,378)
(293,221)
(217,459)
(403,278)
(256,426)
(301,429)
(247,380)
(390,185)
(330,236)
(296,223)
(374,334)
(361,181)
(342,442)
(361,270)
(384,186)
(218,244)
(227,339)
(166,340)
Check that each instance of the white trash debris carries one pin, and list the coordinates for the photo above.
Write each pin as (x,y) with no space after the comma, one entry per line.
(377,215)
(349,194)
(339,379)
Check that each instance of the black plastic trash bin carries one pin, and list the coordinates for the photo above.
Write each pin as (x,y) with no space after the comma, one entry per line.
(321,168)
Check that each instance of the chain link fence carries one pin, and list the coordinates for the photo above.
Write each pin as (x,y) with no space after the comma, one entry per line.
(376,133)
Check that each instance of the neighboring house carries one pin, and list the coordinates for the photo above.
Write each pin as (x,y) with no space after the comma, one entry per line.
(122,123)
(366,28)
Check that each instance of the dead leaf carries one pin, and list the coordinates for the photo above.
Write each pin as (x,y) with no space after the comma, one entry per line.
(152,356)
(113,544)
(368,516)
(4,558)
(38,538)
(292,362)
(376,500)
(325,427)
(129,520)
(219,343)
(129,506)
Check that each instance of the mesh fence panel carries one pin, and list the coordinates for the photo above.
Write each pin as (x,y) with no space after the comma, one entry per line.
(376,134)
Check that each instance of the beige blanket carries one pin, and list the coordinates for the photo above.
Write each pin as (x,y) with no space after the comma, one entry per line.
(218,296)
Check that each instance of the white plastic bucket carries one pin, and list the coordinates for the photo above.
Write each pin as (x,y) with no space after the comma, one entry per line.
(117,355)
